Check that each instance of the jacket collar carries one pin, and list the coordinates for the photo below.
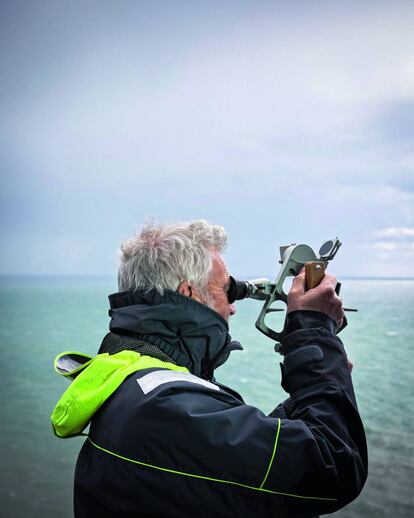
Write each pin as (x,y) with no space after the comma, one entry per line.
(191,333)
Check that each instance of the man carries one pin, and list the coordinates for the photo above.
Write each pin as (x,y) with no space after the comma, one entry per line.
(166,439)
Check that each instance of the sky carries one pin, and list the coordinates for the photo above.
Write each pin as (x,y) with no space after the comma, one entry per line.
(285,122)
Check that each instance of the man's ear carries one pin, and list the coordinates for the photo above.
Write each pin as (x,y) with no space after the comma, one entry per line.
(185,288)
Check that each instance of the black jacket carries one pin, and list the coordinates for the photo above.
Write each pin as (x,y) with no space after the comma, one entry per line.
(186,446)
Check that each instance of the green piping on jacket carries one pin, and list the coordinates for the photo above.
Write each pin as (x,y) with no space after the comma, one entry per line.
(203,477)
(273,454)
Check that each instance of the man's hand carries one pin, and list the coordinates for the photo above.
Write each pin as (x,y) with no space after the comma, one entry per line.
(322,298)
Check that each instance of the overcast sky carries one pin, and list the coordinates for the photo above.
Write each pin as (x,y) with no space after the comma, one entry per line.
(282,121)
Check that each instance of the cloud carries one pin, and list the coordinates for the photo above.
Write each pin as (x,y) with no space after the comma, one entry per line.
(393,252)
(390,246)
(399,239)
(385,245)
(396,232)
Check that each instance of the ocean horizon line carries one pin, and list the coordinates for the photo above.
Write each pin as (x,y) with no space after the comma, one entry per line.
(109,276)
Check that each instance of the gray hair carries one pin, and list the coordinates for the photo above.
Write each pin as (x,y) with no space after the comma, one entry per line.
(162,256)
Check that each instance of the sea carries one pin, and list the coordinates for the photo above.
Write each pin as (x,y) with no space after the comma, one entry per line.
(42,316)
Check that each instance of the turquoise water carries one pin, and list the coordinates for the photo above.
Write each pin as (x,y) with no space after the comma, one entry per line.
(43,316)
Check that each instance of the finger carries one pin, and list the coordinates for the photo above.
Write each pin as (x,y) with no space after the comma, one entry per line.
(298,284)
(328,280)
(301,274)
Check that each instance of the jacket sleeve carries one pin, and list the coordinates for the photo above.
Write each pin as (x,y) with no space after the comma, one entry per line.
(321,451)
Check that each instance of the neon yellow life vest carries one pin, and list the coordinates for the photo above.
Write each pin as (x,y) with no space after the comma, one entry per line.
(93,382)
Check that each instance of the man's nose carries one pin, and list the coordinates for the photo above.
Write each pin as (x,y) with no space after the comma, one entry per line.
(232,309)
